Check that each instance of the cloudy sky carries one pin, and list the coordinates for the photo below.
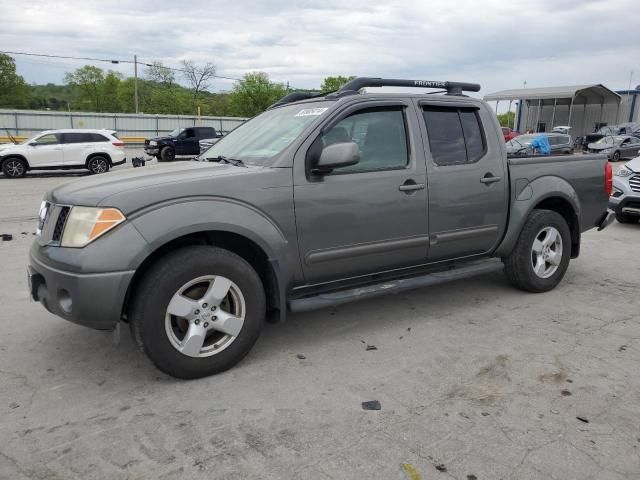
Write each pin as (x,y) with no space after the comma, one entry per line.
(499,44)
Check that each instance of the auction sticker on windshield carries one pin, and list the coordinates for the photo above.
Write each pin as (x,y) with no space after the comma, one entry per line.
(307,112)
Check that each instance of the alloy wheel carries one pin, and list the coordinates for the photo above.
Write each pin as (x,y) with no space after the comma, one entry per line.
(205,316)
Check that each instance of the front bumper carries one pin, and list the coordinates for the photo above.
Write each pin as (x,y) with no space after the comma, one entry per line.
(625,205)
(153,151)
(94,300)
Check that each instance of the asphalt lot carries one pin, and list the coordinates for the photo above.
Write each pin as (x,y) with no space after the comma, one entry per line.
(476,381)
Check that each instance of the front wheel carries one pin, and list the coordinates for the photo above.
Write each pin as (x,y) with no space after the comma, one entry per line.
(198,311)
(14,168)
(541,256)
(615,157)
(98,164)
(167,154)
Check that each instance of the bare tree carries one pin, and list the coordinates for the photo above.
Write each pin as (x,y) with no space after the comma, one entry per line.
(158,73)
(198,77)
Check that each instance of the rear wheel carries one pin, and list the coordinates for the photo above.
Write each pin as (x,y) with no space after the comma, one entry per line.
(167,154)
(98,164)
(541,256)
(14,168)
(198,311)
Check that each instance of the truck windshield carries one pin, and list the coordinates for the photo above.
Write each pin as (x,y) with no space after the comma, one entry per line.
(265,136)
(176,132)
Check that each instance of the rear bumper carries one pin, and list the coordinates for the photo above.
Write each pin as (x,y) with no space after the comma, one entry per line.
(93,300)
(121,162)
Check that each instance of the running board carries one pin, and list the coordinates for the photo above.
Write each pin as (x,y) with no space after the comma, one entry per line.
(466,270)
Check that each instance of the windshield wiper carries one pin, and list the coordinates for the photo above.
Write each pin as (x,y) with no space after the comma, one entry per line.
(236,162)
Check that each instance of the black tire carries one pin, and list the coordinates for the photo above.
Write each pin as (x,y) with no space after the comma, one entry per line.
(622,218)
(167,154)
(14,168)
(160,284)
(98,164)
(519,267)
(615,157)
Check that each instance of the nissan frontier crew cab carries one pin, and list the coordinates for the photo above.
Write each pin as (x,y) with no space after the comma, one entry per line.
(317,201)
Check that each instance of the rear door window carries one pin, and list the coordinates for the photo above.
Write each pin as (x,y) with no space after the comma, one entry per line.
(76,137)
(455,135)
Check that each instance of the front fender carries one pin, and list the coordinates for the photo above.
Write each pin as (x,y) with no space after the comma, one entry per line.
(526,196)
(161,224)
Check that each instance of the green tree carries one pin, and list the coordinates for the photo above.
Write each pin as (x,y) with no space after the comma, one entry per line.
(254,94)
(331,84)
(87,83)
(14,91)
(507,119)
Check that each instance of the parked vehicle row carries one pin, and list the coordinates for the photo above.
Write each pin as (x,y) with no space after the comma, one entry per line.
(315,202)
(94,150)
(523,144)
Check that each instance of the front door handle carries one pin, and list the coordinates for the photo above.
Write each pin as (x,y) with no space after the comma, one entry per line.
(410,186)
(489,178)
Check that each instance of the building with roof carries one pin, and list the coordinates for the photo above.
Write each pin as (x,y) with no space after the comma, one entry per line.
(584,108)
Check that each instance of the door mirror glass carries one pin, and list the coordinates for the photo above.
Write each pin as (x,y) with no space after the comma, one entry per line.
(337,155)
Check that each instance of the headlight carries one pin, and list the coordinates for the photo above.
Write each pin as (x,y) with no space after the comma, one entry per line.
(153,143)
(624,172)
(85,224)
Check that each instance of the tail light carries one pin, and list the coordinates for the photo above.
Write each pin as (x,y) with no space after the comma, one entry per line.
(608,178)
(118,144)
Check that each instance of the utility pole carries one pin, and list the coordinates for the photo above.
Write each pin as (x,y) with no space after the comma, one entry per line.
(135,81)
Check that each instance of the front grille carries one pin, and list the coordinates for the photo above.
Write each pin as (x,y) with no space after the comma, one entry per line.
(60,223)
(634,183)
(53,225)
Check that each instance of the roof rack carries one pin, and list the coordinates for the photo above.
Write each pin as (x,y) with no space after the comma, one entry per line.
(295,96)
(352,87)
(452,88)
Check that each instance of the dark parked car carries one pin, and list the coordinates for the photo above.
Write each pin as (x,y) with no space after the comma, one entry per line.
(320,200)
(617,147)
(521,145)
(180,142)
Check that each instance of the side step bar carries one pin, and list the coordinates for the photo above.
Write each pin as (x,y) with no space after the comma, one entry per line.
(323,300)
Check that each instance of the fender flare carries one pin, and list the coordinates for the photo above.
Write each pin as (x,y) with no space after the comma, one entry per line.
(526,197)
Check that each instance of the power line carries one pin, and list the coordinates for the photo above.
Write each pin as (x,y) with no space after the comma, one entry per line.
(106,60)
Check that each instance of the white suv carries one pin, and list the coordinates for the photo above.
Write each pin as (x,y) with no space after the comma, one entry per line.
(95,150)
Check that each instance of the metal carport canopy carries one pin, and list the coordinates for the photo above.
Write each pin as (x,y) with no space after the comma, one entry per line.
(587,93)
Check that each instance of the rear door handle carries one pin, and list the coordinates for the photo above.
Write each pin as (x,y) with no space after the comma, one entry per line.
(489,178)
(408,187)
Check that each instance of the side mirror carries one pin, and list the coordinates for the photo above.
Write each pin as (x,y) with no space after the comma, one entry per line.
(343,154)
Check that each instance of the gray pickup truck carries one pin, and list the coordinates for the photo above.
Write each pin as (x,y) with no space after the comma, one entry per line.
(317,201)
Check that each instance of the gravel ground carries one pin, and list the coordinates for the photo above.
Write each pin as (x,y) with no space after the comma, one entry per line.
(475,380)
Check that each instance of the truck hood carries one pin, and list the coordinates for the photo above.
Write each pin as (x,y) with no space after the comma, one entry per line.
(162,138)
(135,188)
